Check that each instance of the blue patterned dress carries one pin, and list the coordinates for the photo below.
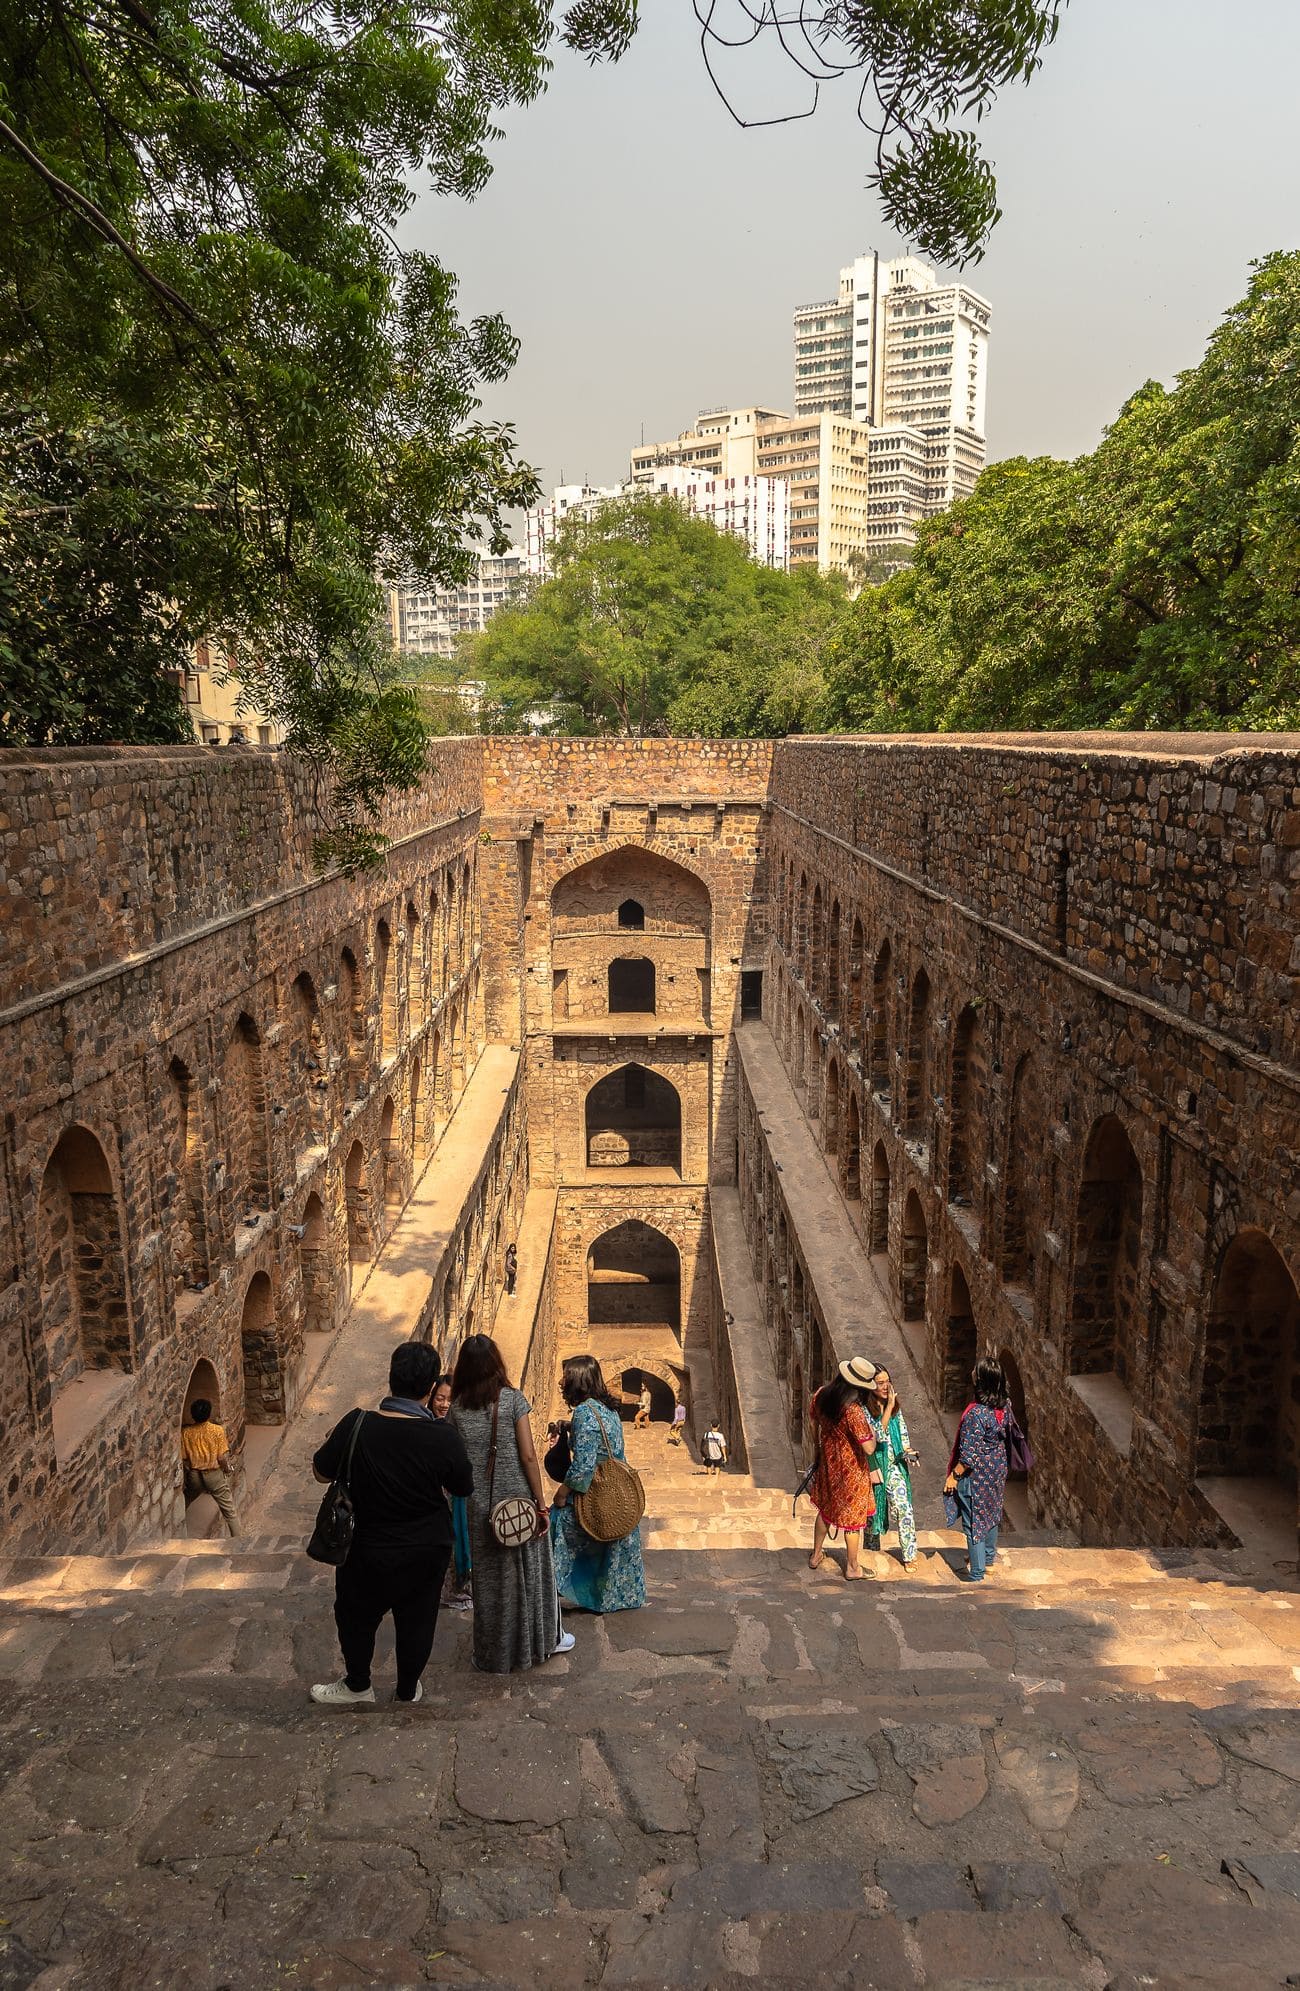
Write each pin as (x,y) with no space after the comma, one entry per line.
(591,1575)
(982,1448)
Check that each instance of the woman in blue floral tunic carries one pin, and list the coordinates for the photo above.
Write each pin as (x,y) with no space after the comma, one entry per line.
(591,1575)
(894,1455)
(977,1469)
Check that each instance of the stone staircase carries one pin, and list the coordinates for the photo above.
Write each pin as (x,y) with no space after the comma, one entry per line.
(1084,1772)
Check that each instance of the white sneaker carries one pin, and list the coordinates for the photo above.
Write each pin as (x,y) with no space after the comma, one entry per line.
(418,1695)
(338,1694)
(566,1644)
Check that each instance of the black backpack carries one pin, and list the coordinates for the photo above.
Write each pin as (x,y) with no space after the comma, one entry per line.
(336,1520)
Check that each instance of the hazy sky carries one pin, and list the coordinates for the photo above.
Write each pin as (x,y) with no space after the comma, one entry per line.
(648,252)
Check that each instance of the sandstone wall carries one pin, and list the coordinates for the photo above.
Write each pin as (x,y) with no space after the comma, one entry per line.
(224,1072)
(1036,999)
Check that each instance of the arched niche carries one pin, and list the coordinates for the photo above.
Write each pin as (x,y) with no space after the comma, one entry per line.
(190,1235)
(264,1393)
(599,896)
(914,1266)
(878,1231)
(1248,1421)
(634,1278)
(631,985)
(633,1119)
(248,1157)
(357,1195)
(960,1345)
(85,1315)
(1106,1314)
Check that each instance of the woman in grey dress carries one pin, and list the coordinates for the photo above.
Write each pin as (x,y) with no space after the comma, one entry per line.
(516,1610)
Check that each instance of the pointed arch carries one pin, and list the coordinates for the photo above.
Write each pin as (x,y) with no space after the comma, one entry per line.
(968,1104)
(831,1119)
(391,1159)
(634,1277)
(264,1392)
(248,1159)
(1021,1226)
(914,1267)
(960,1344)
(633,1119)
(1106,1314)
(853,1017)
(879,1052)
(190,1242)
(357,1196)
(834,965)
(386,1033)
(916,1095)
(1248,1418)
(878,1234)
(308,1061)
(85,1312)
(853,1149)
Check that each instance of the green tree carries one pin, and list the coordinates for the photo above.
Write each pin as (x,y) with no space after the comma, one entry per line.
(653,621)
(1152,583)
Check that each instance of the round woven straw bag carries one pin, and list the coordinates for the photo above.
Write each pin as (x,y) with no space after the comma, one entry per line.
(615,1500)
(513,1521)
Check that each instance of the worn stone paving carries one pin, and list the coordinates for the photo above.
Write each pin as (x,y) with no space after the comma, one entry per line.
(1086,1772)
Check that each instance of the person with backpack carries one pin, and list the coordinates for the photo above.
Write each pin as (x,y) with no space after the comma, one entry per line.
(592,1575)
(713,1450)
(400,1463)
(842,1487)
(977,1468)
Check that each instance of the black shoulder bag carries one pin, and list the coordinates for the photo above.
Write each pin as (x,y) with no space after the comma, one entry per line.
(336,1521)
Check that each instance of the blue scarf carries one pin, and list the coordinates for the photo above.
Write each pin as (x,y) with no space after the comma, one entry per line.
(406,1406)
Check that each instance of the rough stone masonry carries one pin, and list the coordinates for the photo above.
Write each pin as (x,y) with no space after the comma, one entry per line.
(1035,996)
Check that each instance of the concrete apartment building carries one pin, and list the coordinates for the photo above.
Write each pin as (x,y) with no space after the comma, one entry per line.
(823,459)
(898,349)
(543,521)
(755,509)
(429,621)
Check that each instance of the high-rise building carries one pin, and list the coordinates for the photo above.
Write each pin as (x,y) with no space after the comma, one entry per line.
(824,461)
(544,521)
(899,349)
(428,621)
(753,508)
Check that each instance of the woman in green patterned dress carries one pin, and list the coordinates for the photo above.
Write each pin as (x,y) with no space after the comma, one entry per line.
(894,1455)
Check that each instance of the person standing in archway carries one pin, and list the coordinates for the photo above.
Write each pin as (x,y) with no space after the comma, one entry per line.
(642,1406)
(207,1461)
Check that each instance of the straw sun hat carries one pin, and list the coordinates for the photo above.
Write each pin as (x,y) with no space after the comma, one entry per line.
(859,1370)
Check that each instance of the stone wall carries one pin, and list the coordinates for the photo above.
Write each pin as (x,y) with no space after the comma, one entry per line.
(1036,998)
(230,1070)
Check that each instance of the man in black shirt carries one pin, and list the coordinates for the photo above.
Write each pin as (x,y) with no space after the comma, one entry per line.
(405,1464)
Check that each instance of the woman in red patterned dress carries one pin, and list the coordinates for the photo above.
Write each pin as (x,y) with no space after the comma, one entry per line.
(841,1489)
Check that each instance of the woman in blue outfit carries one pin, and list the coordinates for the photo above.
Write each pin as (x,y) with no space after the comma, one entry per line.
(977,1469)
(591,1575)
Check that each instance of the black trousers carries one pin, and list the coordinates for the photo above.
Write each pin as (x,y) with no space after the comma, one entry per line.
(373,1582)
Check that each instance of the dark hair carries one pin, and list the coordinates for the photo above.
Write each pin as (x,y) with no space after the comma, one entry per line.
(990,1383)
(413,1370)
(881,1396)
(480,1373)
(834,1398)
(581,1379)
(200,1410)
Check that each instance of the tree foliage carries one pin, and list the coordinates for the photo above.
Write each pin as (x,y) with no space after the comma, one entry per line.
(655,622)
(238,400)
(1153,583)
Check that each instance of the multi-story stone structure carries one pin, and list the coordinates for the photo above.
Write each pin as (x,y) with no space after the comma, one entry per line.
(1033,997)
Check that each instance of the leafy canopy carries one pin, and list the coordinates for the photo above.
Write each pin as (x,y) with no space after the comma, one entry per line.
(653,621)
(1153,583)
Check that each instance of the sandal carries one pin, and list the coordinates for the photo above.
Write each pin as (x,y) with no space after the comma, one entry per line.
(817,1558)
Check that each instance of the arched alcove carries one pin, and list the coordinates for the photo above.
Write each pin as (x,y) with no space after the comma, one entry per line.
(831,1118)
(385,993)
(1015,1391)
(916,1098)
(914,1266)
(1105,1322)
(606,893)
(315,1261)
(960,1345)
(879,1049)
(85,1317)
(414,970)
(1249,1416)
(190,1237)
(631,915)
(390,1152)
(853,1149)
(634,1277)
(308,1061)
(352,1022)
(878,1237)
(798,1435)
(264,1399)
(360,1239)
(967,1105)
(853,1018)
(248,1160)
(834,966)
(203,1386)
(633,1119)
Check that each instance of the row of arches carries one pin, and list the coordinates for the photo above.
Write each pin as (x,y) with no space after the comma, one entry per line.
(884,1068)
